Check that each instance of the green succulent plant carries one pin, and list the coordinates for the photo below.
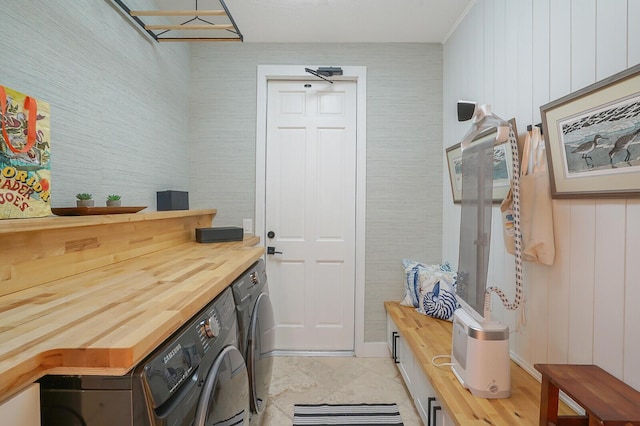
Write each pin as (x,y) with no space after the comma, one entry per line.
(113,197)
(84,196)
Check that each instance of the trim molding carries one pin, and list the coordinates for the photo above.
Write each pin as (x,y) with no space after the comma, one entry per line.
(374,350)
(297,72)
(456,24)
(535,374)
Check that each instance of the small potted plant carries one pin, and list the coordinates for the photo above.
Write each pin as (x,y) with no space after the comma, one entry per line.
(84,200)
(113,200)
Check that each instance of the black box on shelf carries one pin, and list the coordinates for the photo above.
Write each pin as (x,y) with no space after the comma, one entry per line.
(172,200)
(219,234)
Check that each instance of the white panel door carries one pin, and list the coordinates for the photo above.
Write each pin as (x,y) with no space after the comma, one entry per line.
(310,209)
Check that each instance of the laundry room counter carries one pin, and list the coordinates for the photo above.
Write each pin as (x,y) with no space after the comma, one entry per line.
(119,290)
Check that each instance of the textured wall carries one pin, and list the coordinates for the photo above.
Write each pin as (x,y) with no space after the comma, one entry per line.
(119,103)
(517,56)
(404,142)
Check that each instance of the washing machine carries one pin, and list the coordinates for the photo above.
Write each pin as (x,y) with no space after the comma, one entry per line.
(197,377)
(257,327)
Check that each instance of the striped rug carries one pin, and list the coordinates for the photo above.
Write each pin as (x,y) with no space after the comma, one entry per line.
(346,414)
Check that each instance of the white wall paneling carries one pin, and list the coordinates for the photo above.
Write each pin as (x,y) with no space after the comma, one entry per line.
(583,308)
(559,48)
(583,40)
(612,39)
(609,280)
(512,29)
(540,20)
(501,56)
(632,298)
(633,33)
(488,57)
(525,63)
(558,298)
(583,242)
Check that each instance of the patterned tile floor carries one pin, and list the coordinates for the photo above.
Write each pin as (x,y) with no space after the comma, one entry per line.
(334,380)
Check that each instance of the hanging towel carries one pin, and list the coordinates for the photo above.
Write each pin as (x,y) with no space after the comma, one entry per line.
(536,212)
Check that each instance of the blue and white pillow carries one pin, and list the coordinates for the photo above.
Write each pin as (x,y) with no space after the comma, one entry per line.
(431,289)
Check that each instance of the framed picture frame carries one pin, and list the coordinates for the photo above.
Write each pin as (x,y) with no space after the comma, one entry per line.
(593,139)
(502,171)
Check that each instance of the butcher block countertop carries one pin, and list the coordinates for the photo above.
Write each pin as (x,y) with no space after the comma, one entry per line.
(105,317)
(429,337)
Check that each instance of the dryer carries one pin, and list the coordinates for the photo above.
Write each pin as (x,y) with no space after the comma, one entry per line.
(257,327)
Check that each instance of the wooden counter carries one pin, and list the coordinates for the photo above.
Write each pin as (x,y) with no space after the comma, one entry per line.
(36,251)
(106,315)
(429,337)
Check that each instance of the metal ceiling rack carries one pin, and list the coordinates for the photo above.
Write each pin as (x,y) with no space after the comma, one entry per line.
(197,27)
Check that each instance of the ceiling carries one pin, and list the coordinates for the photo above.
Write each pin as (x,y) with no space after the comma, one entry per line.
(346,20)
(320,21)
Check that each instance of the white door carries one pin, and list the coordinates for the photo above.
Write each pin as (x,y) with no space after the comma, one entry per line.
(310,209)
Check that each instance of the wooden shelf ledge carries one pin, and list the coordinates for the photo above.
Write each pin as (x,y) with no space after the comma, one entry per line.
(10,226)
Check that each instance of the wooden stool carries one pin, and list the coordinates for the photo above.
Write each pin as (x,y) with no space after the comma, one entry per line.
(606,400)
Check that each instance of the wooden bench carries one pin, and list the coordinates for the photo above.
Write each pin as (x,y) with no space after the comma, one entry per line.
(606,400)
(427,337)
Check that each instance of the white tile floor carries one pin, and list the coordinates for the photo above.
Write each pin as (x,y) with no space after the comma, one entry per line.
(334,380)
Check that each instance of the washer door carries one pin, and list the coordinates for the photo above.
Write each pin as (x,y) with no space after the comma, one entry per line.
(260,351)
(225,394)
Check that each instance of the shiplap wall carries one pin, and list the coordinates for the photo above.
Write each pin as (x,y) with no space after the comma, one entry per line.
(119,103)
(404,133)
(518,55)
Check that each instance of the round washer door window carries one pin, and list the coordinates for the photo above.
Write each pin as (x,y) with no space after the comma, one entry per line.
(260,351)
(225,394)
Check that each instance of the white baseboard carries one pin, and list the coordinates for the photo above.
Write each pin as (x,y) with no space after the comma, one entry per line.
(363,350)
(526,367)
(313,353)
(536,374)
(372,350)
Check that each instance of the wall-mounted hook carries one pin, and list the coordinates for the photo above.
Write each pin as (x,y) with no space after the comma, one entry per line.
(530,127)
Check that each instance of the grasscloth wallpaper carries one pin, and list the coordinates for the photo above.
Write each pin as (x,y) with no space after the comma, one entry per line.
(119,103)
(404,147)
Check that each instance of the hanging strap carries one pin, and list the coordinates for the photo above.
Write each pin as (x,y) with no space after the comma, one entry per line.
(526,156)
(538,151)
(517,238)
(29,105)
(533,155)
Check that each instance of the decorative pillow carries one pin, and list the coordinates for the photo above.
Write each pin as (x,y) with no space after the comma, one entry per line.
(430,288)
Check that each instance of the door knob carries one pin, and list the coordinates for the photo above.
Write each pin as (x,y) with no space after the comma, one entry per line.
(272,250)
(271,234)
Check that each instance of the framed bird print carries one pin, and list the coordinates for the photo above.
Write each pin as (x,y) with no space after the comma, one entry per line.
(593,139)
(502,165)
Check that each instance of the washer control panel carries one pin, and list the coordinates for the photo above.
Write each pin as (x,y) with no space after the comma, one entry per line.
(179,357)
